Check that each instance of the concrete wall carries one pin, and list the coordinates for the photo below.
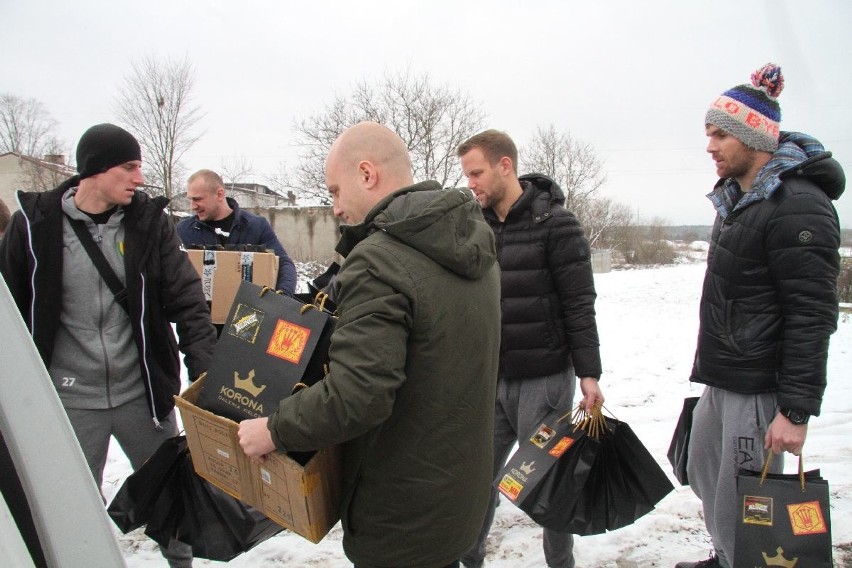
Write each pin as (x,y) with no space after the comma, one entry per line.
(307,233)
(311,233)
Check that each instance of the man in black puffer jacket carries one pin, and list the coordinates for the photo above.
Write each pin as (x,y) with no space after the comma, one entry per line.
(769,302)
(548,327)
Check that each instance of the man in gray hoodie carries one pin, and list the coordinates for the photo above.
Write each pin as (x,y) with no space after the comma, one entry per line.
(111,354)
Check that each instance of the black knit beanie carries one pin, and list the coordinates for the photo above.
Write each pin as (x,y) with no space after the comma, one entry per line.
(104,146)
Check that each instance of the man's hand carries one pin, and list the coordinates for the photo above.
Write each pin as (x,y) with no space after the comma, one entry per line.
(784,436)
(591,392)
(255,439)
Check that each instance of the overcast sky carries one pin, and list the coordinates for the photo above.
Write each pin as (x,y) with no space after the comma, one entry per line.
(631,78)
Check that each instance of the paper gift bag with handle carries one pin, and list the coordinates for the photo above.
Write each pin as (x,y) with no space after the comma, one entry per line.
(606,481)
(270,344)
(527,469)
(784,519)
(679,447)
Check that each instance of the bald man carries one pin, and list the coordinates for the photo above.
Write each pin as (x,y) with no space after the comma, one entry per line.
(413,361)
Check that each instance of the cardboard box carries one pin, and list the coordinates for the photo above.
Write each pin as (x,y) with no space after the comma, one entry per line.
(221,272)
(303,498)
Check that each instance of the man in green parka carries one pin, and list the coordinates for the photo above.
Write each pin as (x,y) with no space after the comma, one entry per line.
(413,361)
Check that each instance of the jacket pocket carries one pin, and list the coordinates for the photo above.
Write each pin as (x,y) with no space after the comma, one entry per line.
(734,335)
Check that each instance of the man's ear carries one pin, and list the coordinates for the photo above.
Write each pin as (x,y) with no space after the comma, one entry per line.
(505,165)
(368,174)
(220,194)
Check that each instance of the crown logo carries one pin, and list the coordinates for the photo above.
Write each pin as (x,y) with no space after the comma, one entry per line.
(527,468)
(247,384)
(779,560)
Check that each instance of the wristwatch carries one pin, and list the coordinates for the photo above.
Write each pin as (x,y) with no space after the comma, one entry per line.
(795,416)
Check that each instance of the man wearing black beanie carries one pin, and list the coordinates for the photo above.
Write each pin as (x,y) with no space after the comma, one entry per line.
(104,146)
(110,350)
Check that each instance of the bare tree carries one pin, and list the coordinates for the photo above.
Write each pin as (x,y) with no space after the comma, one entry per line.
(26,127)
(280,182)
(235,170)
(570,163)
(607,223)
(575,167)
(432,121)
(156,104)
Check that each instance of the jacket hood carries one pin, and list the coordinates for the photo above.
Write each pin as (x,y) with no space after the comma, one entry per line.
(540,195)
(37,205)
(445,225)
(821,169)
(798,155)
(545,184)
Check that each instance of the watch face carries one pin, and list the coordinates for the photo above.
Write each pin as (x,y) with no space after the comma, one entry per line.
(796,416)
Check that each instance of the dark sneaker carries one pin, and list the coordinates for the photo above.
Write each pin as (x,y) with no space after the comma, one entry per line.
(712,562)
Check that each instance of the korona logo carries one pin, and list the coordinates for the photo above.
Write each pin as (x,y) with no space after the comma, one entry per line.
(249,403)
(779,561)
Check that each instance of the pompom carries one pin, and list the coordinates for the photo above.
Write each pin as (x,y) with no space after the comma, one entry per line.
(769,78)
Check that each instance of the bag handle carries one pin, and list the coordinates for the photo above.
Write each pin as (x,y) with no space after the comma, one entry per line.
(592,423)
(765,470)
(318,303)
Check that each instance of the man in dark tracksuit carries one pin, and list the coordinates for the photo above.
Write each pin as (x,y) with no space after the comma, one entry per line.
(114,363)
(549,333)
(769,302)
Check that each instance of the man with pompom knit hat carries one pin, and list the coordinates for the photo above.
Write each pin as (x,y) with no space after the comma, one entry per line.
(769,301)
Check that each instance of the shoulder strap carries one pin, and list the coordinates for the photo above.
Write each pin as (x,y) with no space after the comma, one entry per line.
(96,254)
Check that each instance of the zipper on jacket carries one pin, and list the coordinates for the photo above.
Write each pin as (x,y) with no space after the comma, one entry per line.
(99,239)
(143,358)
(35,265)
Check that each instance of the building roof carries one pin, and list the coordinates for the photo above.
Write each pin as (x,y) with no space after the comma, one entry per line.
(59,168)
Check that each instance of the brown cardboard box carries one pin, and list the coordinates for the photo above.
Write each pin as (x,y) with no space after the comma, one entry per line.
(302,498)
(221,272)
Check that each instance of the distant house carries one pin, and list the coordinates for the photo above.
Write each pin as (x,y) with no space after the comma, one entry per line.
(30,174)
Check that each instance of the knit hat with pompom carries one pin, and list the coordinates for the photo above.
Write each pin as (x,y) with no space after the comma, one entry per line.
(751,112)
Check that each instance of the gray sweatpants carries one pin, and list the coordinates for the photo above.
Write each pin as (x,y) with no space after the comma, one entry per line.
(520,408)
(133,428)
(728,433)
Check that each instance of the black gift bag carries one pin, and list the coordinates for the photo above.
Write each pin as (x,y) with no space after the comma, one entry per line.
(784,519)
(607,479)
(679,447)
(560,494)
(216,525)
(645,481)
(134,502)
(168,496)
(270,344)
(522,478)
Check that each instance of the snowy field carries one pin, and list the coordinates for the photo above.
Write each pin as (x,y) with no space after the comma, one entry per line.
(648,324)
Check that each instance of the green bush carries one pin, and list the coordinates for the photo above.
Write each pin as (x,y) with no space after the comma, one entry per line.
(651,252)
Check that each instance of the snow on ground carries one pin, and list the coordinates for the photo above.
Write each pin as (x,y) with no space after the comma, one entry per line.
(648,324)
